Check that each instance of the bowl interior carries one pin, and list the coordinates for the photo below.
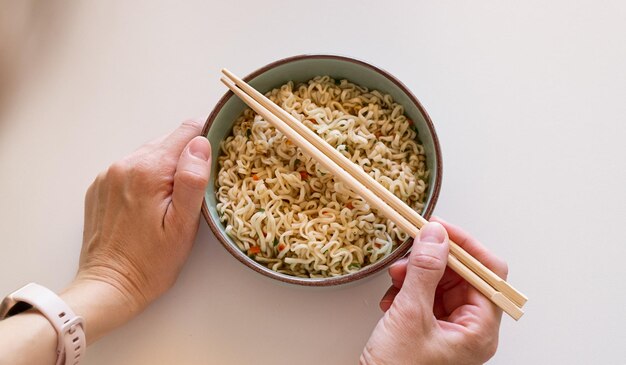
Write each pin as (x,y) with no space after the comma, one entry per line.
(300,69)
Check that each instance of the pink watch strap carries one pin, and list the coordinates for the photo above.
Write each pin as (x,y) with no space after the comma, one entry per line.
(71,344)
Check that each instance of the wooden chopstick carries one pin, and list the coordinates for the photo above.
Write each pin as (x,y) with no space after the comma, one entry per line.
(411,215)
(272,116)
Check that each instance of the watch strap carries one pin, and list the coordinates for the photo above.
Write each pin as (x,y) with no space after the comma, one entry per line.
(71,343)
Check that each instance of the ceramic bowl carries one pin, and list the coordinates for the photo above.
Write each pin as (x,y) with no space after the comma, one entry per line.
(299,69)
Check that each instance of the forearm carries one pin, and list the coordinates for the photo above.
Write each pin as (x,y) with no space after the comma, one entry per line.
(27,338)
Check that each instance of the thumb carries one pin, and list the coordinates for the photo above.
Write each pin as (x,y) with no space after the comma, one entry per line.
(426,265)
(191,178)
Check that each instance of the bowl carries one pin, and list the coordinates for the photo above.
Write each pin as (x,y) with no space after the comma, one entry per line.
(299,69)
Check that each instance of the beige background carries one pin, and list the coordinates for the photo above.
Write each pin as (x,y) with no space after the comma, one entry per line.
(528,99)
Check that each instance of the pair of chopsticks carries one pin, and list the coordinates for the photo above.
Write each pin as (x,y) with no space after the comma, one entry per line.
(487,282)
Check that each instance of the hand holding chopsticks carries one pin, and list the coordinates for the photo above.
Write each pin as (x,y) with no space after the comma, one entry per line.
(488,283)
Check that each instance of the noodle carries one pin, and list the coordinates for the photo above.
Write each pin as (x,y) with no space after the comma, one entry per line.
(288,213)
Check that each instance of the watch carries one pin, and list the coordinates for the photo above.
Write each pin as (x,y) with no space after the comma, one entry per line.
(71,344)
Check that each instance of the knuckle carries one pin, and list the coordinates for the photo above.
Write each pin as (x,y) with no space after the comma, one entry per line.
(472,344)
(504,268)
(192,125)
(191,180)
(117,171)
(487,346)
(91,190)
(143,168)
(490,348)
(101,176)
(425,261)
(482,343)
(474,341)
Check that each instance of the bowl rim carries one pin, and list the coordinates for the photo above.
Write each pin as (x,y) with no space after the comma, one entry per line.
(369,270)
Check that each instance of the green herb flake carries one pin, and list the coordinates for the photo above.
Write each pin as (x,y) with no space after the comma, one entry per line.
(297,162)
(262,210)
(354,266)
(275,242)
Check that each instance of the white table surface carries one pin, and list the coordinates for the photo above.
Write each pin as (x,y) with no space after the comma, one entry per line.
(528,98)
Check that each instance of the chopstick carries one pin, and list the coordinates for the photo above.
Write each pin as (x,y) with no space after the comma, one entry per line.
(487,282)
(411,215)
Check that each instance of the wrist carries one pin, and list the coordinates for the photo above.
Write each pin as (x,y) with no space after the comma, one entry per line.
(102,306)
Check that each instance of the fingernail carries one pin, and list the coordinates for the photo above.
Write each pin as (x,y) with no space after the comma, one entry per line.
(433,232)
(199,148)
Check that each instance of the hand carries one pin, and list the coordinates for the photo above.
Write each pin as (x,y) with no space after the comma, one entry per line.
(432,315)
(141,219)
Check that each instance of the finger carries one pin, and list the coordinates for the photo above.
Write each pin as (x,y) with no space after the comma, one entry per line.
(174,144)
(388,298)
(397,271)
(426,265)
(475,248)
(487,313)
(477,312)
(191,179)
(155,144)
(452,297)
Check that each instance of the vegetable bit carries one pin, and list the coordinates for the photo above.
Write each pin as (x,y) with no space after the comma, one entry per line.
(254,250)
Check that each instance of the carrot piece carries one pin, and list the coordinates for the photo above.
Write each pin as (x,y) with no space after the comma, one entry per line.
(349,205)
(254,250)
(281,247)
(304,175)
(255,177)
